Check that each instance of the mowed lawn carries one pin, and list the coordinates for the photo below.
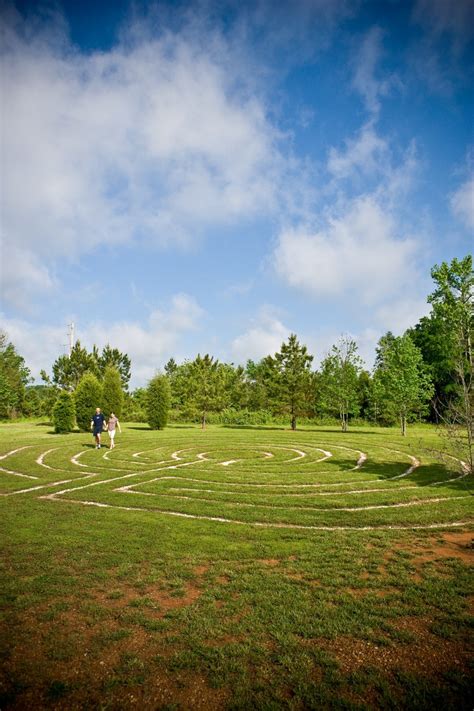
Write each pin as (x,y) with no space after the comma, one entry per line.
(234,569)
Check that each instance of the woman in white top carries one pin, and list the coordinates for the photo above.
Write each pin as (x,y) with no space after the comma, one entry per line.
(112,423)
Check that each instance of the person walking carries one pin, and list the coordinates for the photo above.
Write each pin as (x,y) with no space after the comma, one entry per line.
(111,425)
(97,425)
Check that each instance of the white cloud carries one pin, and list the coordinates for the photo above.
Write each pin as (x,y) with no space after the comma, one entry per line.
(365,80)
(22,276)
(148,345)
(366,154)
(148,141)
(264,337)
(462,203)
(402,312)
(359,253)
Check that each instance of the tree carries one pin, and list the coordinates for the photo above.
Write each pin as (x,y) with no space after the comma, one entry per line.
(406,383)
(113,357)
(14,376)
(64,413)
(135,406)
(87,397)
(453,309)
(112,393)
(340,370)
(365,389)
(158,402)
(258,377)
(204,387)
(69,369)
(289,379)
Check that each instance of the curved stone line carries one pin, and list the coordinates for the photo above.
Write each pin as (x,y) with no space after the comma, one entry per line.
(50,485)
(14,451)
(260,524)
(13,473)
(283,494)
(316,509)
(149,471)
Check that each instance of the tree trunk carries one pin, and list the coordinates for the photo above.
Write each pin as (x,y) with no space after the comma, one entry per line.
(403,422)
(293,422)
(343,421)
(203,421)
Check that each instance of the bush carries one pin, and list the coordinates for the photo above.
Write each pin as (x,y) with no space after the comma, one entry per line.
(87,397)
(158,402)
(64,413)
(112,397)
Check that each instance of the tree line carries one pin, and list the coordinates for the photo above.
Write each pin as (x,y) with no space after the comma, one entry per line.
(424,373)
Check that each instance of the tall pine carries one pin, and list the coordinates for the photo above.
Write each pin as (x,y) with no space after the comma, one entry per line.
(158,402)
(112,393)
(87,397)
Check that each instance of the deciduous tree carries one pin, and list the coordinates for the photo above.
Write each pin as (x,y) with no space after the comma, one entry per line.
(406,383)
(339,380)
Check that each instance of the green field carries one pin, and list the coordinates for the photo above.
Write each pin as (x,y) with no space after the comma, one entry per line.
(234,569)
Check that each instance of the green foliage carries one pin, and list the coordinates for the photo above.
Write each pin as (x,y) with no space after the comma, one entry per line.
(64,413)
(339,382)
(135,406)
(112,357)
(14,376)
(158,402)
(289,379)
(112,393)
(199,387)
(88,396)
(453,309)
(406,385)
(69,369)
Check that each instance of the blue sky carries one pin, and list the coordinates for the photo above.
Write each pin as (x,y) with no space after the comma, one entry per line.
(209,177)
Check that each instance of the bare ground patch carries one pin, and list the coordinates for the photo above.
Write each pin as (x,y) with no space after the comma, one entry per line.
(427,656)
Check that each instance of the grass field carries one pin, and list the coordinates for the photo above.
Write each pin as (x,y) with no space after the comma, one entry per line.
(234,569)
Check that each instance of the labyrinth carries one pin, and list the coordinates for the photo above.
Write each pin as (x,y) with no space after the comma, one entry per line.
(308,481)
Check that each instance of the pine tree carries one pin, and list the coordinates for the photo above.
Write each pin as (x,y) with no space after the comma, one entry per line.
(64,413)
(88,396)
(112,393)
(158,402)
(289,379)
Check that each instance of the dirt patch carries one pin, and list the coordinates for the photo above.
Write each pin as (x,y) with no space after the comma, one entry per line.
(428,655)
(271,562)
(200,570)
(71,663)
(456,545)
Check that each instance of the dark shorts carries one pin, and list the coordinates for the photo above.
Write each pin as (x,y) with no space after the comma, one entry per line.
(96,432)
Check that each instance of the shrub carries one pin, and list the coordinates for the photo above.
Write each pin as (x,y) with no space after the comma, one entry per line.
(64,413)
(158,402)
(87,397)
(112,396)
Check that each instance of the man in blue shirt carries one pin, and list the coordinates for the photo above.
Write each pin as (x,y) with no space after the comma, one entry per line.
(97,425)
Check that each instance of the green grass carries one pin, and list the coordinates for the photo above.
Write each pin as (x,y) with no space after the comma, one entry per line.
(235,578)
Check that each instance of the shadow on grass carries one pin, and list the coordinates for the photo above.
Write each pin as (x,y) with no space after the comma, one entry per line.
(332,430)
(146,427)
